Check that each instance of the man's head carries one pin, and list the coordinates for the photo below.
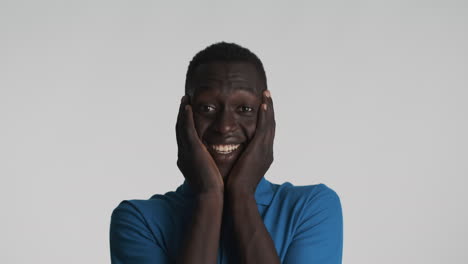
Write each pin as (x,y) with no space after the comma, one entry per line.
(222,52)
(225,83)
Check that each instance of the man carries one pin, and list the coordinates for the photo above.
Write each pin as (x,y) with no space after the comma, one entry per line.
(226,211)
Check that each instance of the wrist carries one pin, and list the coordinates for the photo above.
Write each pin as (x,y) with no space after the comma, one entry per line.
(210,197)
(239,193)
(233,188)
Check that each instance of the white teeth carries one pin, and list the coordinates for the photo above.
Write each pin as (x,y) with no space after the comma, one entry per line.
(225,148)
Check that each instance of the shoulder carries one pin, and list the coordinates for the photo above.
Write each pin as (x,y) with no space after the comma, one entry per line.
(312,209)
(159,209)
(316,195)
(306,203)
(314,222)
(141,230)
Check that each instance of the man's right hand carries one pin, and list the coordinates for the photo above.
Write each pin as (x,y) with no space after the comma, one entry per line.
(194,160)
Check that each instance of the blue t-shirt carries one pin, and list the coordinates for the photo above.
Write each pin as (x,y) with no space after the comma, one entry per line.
(305,223)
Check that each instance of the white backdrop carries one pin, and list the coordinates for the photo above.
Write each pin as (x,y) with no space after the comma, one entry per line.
(370,99)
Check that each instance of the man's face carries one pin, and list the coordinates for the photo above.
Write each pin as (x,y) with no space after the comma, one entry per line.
(226,100)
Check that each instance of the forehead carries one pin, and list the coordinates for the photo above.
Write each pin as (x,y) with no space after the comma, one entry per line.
(227,77)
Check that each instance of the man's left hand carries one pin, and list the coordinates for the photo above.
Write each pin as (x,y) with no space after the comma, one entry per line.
(258,156)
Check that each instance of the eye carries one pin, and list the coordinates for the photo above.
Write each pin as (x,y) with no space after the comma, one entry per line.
(207,108)
(246,109)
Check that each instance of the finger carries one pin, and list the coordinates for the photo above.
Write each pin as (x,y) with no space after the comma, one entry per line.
(179,123)
(189,125)
(261,120)
(184,128)
(268,96)
(271,112)
(270,118)
(269,100)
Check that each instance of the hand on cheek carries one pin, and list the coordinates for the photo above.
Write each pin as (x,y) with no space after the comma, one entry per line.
(258,156)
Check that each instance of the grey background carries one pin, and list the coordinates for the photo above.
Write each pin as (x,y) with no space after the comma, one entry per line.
(370,99)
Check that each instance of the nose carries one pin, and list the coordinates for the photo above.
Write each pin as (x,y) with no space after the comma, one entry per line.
(225,122)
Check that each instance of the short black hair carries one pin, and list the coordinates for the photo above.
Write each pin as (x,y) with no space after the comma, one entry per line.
(225,52)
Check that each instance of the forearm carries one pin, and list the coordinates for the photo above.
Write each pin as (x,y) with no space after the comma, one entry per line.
(253,240)
(202,240)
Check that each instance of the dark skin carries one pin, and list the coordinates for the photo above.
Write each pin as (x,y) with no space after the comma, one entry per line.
(230,105)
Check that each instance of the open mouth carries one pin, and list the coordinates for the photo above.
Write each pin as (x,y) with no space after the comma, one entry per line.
(224,152)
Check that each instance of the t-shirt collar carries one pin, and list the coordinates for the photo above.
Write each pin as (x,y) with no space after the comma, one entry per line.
(263,193)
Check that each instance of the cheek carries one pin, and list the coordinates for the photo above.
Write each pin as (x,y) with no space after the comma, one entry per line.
(201,124)
(250,127)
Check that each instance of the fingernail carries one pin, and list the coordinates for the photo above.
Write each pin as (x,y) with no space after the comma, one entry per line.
(267,93)
(265,107)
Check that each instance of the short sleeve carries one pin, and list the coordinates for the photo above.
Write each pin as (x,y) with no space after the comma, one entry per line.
(319,235)
(131,241)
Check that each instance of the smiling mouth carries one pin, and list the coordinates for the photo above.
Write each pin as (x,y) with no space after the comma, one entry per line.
(224,152)
(224,149)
